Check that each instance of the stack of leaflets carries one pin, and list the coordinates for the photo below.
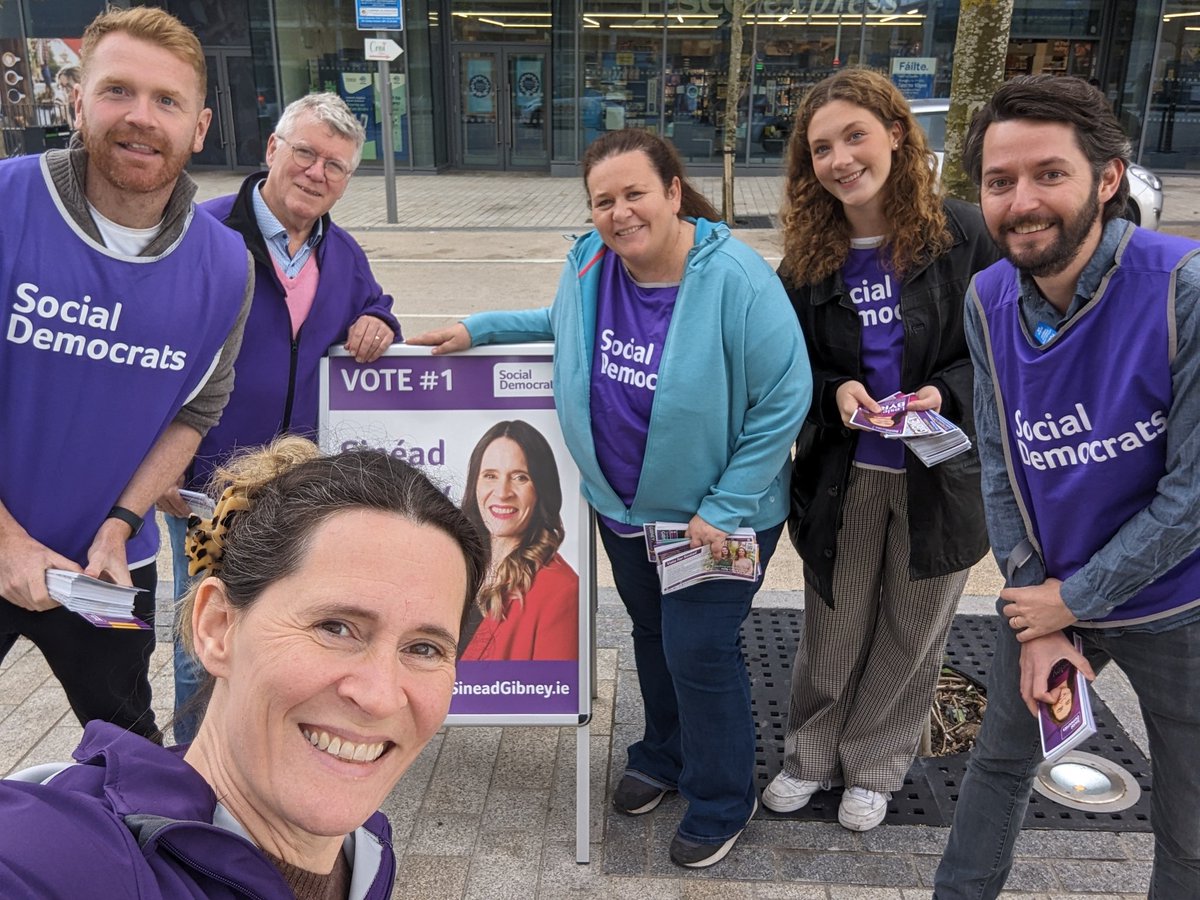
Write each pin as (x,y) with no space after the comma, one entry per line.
(1067,721)
(104,604)
(680,564)
(931,436)
(199,504)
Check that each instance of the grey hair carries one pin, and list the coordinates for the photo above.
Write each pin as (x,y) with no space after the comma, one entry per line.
(331,111)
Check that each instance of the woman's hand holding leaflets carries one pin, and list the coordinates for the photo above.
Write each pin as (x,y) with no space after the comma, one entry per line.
(850,396)
(700,532)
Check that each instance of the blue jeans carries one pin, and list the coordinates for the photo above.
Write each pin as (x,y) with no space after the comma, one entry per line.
(1164,670)
(699,733)
(188,672)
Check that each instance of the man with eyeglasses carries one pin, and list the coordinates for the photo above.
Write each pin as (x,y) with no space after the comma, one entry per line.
(313,288)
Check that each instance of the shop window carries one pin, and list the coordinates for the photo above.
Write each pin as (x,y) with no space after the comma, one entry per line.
(622,68)
(1172,127)
(501,21)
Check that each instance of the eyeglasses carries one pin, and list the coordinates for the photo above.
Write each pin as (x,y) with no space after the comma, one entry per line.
(306,158)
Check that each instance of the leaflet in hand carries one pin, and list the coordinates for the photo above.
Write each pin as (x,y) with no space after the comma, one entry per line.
(1068,721)
(930,435)
(199,504)
(662,534)
(104,604)
(681,565)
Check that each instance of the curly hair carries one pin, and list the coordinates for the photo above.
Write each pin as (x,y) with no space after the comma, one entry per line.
(513,575)
(816,233)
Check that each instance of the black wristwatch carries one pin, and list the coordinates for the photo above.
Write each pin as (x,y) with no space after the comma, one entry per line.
(130,518)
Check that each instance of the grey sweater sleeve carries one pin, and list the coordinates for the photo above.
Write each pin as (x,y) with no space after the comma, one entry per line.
(204,409)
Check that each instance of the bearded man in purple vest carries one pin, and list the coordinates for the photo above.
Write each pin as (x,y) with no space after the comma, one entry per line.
(1086,345)
(313,288)
(121,313)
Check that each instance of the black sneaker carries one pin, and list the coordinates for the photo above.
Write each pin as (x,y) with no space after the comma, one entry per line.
(700,856)
(635,797)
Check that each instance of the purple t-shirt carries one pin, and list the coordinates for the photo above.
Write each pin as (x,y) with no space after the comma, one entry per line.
(631,326)
(875,292)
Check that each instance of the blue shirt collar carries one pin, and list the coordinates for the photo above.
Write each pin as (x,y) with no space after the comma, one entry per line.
(276,235)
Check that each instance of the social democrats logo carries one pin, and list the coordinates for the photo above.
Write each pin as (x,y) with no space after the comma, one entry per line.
(532,379)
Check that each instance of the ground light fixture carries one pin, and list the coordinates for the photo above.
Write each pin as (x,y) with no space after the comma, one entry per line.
(1087,782)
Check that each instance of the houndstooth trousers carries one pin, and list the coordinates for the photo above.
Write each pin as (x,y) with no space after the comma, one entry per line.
(866,670)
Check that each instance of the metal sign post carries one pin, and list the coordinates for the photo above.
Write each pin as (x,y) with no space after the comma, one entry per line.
(385,50)
(381,16)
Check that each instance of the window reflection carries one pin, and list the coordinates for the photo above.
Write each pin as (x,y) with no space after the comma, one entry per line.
(1172,128)
(663,66)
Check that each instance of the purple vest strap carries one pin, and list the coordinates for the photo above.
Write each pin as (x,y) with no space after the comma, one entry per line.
(1084,416)
(99,352)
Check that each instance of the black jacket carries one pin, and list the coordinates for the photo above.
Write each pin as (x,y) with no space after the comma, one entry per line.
(947,531)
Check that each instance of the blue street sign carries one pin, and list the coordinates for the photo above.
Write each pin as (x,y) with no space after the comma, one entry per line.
(379,15)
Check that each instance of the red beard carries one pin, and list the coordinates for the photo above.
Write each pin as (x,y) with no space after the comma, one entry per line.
(141,175)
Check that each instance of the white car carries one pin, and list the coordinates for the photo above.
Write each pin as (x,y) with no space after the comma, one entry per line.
(1145,188)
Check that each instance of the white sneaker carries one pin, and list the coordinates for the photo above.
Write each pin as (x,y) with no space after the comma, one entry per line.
(861,809)
(787,793)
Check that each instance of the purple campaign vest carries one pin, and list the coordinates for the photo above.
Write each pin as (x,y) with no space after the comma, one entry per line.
(1084,416)
(98,353)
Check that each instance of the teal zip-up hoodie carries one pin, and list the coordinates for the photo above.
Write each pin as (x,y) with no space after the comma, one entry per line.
(734,385)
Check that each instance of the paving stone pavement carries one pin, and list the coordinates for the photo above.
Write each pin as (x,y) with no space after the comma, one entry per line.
(473,201)
(469,201)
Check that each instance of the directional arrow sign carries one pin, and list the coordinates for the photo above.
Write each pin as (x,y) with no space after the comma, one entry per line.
(384,49)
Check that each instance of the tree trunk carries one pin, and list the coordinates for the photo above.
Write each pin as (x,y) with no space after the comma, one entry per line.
(733,92)
(979,52)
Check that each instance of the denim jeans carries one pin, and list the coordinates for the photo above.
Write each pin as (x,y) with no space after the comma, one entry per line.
(1164,670)
(188,672)
(699,733)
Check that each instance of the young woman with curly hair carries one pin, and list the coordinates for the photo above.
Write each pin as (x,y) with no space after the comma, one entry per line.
(530,601)
(876,263)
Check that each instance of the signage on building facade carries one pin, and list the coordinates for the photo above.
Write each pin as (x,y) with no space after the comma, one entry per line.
(379,15)
(913,75)
(778,7)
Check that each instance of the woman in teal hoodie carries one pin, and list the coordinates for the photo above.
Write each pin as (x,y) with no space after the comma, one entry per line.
(680,379)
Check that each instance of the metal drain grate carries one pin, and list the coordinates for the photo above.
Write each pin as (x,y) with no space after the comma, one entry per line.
(770,638)
(762,221)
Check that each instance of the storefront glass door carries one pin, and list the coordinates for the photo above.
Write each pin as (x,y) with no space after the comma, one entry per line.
(233,139)
(501,120)
(1172,130)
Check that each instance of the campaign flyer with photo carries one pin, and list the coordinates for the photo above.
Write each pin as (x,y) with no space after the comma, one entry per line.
(889,420)
(1068,721)
(680,564)
(930,435)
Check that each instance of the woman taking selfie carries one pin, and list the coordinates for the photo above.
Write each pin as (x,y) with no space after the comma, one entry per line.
(680,380)
(876,263)
(328,636)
